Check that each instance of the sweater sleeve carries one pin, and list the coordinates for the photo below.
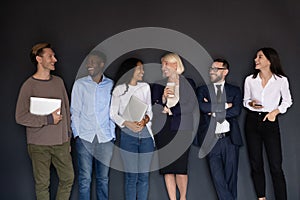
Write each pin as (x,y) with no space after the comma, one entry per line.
(22,115)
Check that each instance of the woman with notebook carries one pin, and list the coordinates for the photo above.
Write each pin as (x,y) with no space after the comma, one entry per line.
(136,139)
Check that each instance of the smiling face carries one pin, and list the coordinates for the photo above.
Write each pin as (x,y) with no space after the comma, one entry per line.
(94,65)
(217,72)
(138,72)
(169,68)
(47,60)
(261,61)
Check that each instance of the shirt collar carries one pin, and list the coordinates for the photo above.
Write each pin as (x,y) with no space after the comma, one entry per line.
(273,77)
(104,78)
(222,84)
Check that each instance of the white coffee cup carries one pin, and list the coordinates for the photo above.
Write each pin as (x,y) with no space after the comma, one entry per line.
(171,86)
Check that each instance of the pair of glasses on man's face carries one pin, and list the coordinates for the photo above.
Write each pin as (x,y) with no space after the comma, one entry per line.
(216,69)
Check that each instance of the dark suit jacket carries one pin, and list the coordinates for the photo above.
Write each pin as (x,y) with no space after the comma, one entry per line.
(182,118)
(232,94)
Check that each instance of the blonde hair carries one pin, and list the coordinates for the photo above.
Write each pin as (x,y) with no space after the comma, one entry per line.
(173,57)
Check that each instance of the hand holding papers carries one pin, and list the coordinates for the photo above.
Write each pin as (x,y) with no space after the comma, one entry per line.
(135,110)
(44,106)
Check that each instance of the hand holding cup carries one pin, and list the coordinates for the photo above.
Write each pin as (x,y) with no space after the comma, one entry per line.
(170,89)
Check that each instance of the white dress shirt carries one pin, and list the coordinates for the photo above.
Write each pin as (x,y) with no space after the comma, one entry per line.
(224,126)
(275,94)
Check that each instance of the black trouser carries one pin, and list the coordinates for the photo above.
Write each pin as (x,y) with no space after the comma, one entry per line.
(259,133)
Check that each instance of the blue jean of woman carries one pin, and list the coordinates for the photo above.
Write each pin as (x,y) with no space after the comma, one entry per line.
(136,152)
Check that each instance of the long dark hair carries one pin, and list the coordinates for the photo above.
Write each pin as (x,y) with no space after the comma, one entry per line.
(272,55)
(125,72)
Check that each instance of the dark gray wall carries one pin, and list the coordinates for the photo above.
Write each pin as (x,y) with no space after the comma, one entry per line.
(231,29)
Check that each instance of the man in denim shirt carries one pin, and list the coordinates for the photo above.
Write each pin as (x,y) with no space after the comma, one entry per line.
(92,128)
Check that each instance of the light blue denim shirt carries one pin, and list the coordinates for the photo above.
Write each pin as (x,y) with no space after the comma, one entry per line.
(90,106)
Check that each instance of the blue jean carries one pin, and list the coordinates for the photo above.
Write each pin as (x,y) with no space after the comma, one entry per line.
(137,156)
(101,154)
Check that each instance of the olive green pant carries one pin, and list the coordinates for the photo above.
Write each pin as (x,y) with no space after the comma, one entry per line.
(59,155)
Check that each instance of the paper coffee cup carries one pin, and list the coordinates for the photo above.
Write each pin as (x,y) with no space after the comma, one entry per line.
(171,86)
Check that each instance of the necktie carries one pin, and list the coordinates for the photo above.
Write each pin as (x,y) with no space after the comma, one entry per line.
(219,93)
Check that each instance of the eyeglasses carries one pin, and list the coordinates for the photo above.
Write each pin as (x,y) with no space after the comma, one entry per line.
(216,69)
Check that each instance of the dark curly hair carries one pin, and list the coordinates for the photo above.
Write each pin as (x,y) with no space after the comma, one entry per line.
(125,72)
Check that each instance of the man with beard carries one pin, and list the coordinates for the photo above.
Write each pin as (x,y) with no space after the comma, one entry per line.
(220,104)
(48,135)
(93,130)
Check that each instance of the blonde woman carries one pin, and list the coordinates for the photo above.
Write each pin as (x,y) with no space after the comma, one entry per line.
(175,96)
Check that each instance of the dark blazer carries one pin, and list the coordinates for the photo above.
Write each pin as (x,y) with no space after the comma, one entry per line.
(182,118)
(232,94)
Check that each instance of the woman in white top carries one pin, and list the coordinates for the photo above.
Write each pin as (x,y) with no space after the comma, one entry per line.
(136,139)
(266,94)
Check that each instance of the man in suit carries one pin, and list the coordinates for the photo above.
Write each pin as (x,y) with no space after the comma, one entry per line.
(219,133)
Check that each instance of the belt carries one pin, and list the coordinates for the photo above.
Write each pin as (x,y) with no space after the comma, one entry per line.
(257,112)
(222,135)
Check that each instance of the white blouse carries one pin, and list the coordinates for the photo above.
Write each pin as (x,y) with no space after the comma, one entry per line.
(275,94)
(120,100)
